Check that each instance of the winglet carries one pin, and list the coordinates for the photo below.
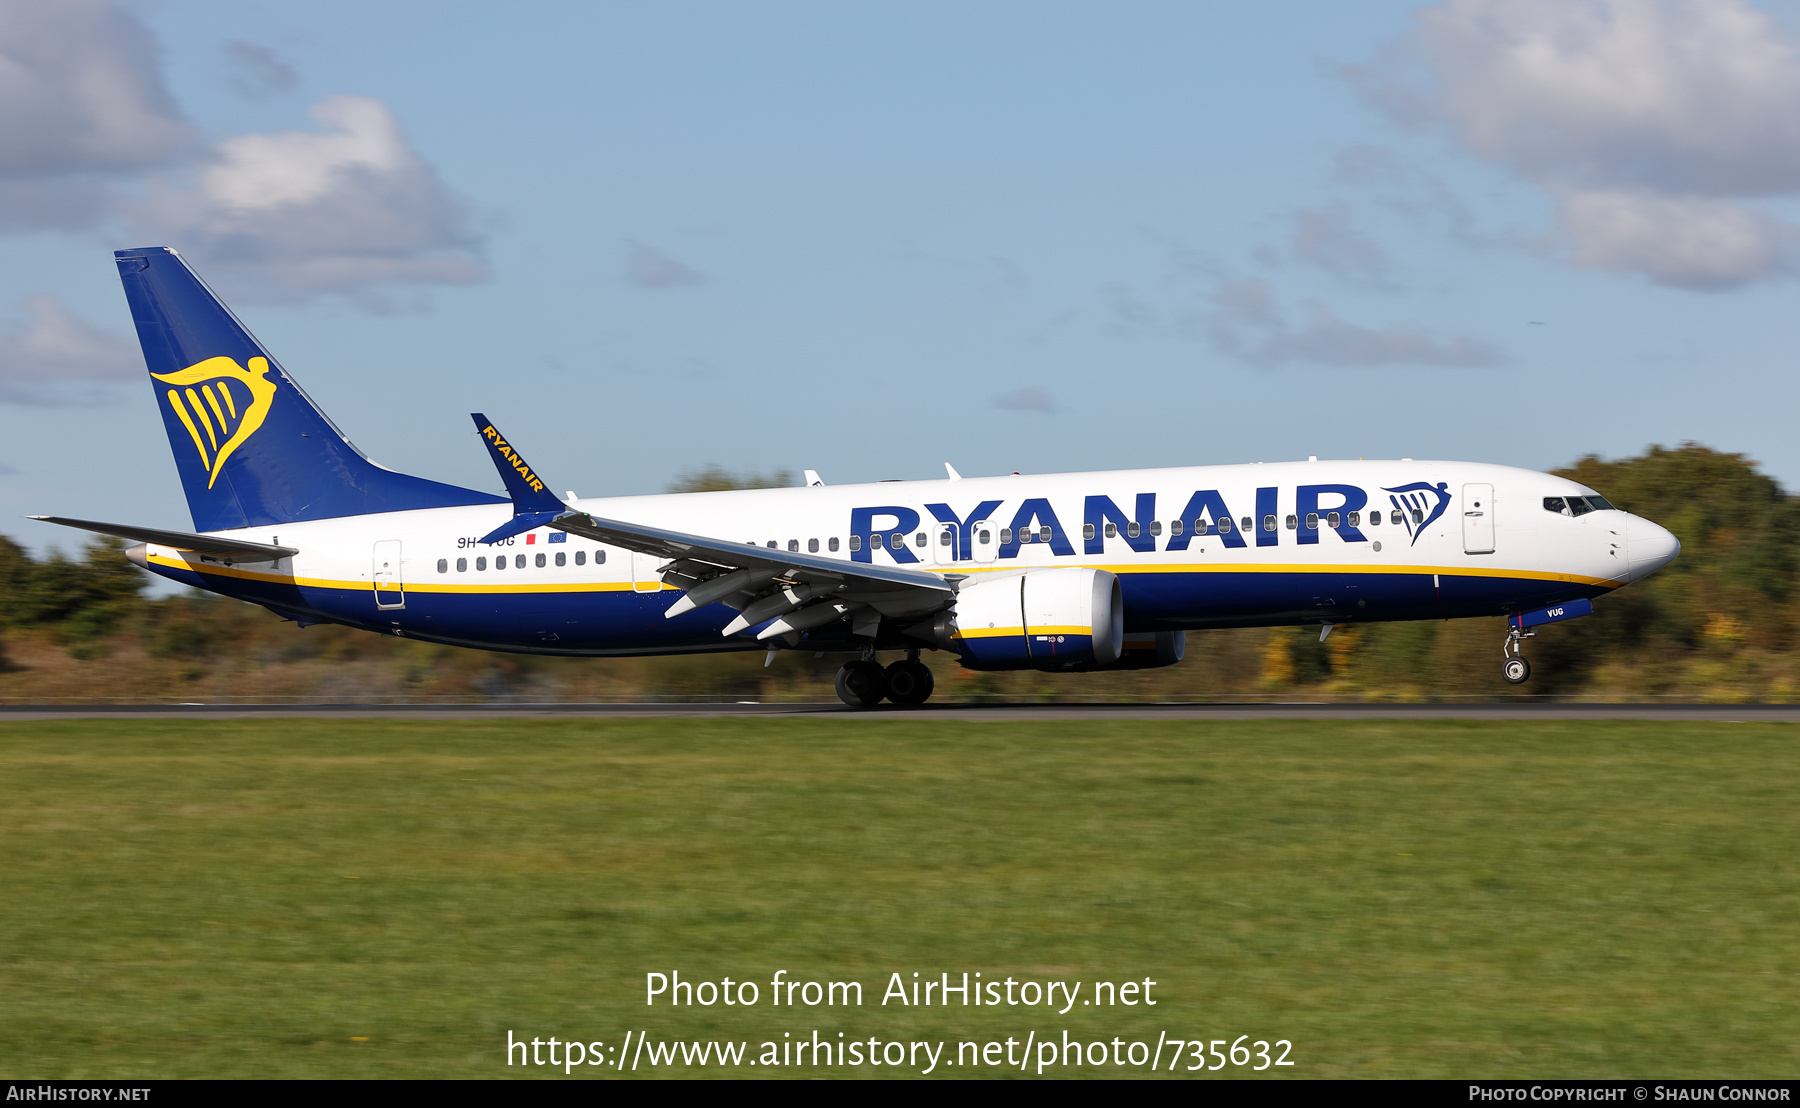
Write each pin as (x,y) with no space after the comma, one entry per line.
(951,470)
(534,505)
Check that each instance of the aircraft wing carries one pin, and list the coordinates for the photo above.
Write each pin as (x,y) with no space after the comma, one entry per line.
(787,591)
(804,590)
(212,545)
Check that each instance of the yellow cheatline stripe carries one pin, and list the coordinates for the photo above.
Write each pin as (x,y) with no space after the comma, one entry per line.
(1301,567)
(1215,567)
(989,632)
(188,422)
(1071,630)
(213,399)
(205,420)
(358,586)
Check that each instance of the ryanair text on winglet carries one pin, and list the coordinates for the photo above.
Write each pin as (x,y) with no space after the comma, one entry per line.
(507,452)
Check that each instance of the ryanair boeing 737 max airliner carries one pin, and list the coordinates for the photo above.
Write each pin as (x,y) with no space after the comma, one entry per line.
(1073,571)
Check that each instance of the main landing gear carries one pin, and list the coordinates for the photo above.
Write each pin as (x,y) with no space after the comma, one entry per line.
(863,683)
(1515,669)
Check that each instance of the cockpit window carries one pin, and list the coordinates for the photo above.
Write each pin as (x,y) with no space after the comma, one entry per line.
(1600,504)
(1556,504)
(1579,506)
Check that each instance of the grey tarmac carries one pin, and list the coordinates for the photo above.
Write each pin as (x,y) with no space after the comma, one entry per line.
(947,711)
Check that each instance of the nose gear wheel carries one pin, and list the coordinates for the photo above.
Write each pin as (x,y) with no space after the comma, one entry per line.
(1515,668)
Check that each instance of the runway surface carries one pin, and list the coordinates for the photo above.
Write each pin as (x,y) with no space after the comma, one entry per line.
(948,712)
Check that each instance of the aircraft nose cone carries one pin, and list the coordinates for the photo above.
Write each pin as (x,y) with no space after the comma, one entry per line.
(1648,547)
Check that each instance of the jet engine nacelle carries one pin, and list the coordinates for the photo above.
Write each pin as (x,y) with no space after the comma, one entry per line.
(1041,619)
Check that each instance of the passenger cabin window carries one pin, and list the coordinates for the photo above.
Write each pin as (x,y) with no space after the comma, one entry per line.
(1224,525)
(1156,527)
(1131,530)
(480,563)
(1112,530)
(1174,528)
(540,561)
(920,539)
(855,543)
(1005,535)
(1293,522)
(443,565)
(1332,519)
(1268,523)
(581,557)
(519,561)
(1312,521)
(462,565)
(1374,519)
(1248,523)
(1355,519)
(793,546)
(1087,530)
(773,545)
(499,563)
(561,558)
(599,557)
(1418,515)
(984,536)
(812,546)
(874,542)
(896,541)
(1045,534)
(832,544)
(1394,517)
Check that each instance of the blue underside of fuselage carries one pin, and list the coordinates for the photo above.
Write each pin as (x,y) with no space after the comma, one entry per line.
(619,623)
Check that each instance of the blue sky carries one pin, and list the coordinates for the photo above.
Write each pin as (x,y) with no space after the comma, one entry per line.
(867,239)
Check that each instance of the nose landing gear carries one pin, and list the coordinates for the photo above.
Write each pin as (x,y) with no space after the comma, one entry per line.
(1515,668)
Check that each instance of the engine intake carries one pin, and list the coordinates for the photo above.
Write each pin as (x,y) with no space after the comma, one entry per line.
(1056,619)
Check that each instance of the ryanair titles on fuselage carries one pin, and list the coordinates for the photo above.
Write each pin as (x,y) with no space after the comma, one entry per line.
(1334,506)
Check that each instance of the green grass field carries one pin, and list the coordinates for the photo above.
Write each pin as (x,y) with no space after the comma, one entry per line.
(372,898)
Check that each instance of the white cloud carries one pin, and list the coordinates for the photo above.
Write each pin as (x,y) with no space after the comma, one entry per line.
(82,102)
(256,72)
(1687,241)
(1031,399)
(1247,323)
(649,268)
(1328,238)
(58,359)
(292,214)
(1650,120)
(1328,340)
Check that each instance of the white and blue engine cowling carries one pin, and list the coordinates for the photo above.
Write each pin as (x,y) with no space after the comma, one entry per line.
(1058,619)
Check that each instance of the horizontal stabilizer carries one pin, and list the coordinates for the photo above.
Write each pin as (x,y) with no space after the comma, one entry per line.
(213,545)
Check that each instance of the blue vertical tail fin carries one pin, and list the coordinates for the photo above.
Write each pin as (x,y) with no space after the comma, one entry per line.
(252,448)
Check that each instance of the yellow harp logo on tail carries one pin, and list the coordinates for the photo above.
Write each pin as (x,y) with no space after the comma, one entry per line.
(221,404)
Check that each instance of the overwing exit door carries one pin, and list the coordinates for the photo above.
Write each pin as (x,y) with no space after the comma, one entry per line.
(644,575)
(1478,519)
(390,589)
(943,544)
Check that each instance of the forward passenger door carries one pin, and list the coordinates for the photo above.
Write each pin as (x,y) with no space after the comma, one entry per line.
(1478,519)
